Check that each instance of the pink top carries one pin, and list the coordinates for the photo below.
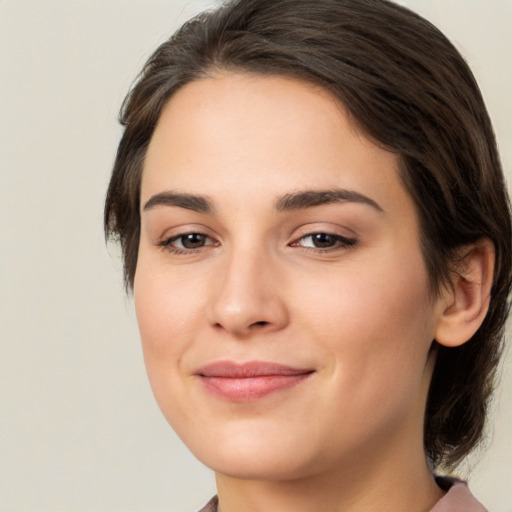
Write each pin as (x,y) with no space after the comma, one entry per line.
(457,499)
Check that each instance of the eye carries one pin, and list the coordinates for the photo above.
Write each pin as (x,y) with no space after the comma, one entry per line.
(187,242)
(324,241)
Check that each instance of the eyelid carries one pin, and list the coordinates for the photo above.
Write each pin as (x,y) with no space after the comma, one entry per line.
(312,228)
(182,230)
(344,240)
(184,235)
(166,240)
(167,245)
(341,242)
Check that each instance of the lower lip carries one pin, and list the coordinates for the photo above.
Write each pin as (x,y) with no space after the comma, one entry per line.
(251,388)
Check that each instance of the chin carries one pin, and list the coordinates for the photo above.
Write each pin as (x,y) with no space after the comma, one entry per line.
(255,454)
(258,466)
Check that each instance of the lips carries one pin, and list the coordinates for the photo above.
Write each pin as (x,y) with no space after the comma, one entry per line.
(249,381)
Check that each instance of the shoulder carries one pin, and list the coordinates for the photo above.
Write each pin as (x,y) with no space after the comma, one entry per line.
(458,497)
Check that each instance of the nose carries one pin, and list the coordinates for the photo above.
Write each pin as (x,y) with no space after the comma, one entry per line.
(248,298)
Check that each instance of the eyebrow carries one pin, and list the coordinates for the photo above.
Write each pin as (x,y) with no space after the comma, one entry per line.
(201,204)
(289,202)
(311,198)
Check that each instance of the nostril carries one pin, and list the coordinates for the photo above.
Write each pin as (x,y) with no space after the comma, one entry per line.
(262,323)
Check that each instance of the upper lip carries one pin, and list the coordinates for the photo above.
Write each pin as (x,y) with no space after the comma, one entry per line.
(230,369)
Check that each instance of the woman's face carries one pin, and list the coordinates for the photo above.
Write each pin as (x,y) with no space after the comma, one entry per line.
(281,294)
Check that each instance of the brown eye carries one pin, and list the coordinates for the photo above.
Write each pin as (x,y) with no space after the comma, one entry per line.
(326,241)
(193,240)
(188,242)
(323,240)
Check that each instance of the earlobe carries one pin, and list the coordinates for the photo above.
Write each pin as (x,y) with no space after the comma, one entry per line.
(466,299)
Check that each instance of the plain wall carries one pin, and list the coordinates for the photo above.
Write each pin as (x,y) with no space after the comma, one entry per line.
(79,428)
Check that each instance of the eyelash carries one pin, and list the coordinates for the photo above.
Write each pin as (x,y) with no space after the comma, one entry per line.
(340,242)
(167,244)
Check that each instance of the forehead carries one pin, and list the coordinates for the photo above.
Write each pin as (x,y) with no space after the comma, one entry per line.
(242,135)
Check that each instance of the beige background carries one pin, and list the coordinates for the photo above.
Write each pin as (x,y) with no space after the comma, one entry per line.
(79,429)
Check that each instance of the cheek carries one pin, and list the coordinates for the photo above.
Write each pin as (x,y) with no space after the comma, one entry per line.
(376,326)
(168,313)
(167,306)
(379,298)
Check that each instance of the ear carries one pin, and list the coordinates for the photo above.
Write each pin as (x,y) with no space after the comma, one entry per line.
(466,299)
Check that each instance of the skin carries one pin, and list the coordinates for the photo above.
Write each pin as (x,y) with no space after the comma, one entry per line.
(359,315)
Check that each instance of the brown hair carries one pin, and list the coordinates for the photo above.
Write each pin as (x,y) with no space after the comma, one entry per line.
(408,89)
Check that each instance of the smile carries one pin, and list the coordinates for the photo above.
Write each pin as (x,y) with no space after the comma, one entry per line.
(249,381)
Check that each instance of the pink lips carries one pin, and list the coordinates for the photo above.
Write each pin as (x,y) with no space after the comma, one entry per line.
(249,381)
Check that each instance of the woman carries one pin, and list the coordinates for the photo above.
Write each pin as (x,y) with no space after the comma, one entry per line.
(315,226)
